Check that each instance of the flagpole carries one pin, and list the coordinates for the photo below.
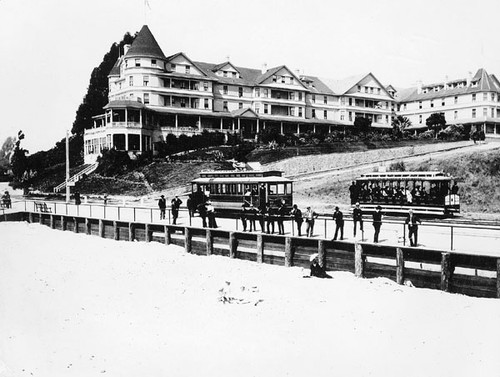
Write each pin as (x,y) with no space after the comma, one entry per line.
(67,168)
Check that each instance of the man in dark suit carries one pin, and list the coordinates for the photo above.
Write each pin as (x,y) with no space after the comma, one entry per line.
(412,220)
(377,223)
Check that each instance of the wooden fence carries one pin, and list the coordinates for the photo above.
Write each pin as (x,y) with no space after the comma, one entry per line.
(470,274)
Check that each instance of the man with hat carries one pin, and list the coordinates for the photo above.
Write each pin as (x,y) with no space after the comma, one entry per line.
(176,204)
(162,204)
(339,223)
(377,222)
(357,216)
(412,221)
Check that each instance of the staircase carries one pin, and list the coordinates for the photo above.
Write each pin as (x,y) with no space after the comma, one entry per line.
(86,169)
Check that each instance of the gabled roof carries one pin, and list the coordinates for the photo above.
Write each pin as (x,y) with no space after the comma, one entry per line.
(272,71)
(124,103)
(145,45)
(485,83)
(194,64)
(217,67)
(244,113)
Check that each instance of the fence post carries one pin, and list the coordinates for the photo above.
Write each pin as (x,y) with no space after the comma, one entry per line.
(400,266)
(210,242)
(88,229)
(446,271)
(325,229)
(40,219)
(322,254)
(151,210)
(75,221)
(90,210)
(30,217)
(134,214)
(404,235)
(63,222)
(147,230)
(104,212)
(451,234)
(260,248)
(187,240)
(498,278)
(116,232)
(52,222)
(288,252)
(359,260)
(101,228)
(118,212)
(168,239)
(233,245)
(131,231)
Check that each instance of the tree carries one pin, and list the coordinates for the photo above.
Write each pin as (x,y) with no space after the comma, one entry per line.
(5,154)
(435,121)
(399,125)
(97,92)
(20,165)
(362,124)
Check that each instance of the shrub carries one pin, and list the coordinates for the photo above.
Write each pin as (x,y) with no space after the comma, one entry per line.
(397,166)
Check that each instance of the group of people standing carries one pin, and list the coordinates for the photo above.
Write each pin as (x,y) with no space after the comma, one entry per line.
(205,209)
(6,200)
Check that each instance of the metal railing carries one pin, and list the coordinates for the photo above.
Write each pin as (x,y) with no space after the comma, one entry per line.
(450,237)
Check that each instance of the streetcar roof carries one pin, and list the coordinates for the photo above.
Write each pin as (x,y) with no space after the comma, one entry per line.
(244,180)
(406,176)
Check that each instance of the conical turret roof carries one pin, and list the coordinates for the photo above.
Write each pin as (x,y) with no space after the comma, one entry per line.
(145,45)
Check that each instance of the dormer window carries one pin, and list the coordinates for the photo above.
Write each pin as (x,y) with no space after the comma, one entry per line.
(224,73)
(173,67)
(188,69)
(153,62)
(233,74)
(275,78)
(137,62)
(282,79)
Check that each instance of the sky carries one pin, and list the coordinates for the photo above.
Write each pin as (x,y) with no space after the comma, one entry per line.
(49,47)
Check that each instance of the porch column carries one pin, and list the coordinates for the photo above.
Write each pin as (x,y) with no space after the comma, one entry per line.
(140,118)
(232,128)
(239,125)
(281,128)
(111,115)
(176,122)
(126,116)
(140,142)
(221,124)
(314,128)
(298,128)
(199,123)
(126,141)
(258,126)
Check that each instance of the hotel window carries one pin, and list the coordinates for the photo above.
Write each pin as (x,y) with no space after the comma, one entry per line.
(224,73)
(257,108)
(325,114)
(266,93)
(282,79)
(455,114)
(153,62)
(432,104)
(137,62)
(492,113)
(224,106)
(359,88)
(371,90)
(420,119)
(257,92)
(233,74)
(292,111)
(456,100)
(131,81)
(366,89)
(313,113)
(240,91)
(266,108)
(492,97)
(473,97)
(313,98)
(126,63)
(387,119)
(240,105)
(188,69)
(300,96)
(145,80)
(146,98)
(291,80)
(275,78)
(485,96)
(342,115)
(420,105)
(205,86)
(291,96)
(205,103)
(300,111)
(378,90)
(183,102)
(350,101)
(325,100)
(443,102)
(485,112)
(473,113)
(350,116)
(172,67)
(224,89)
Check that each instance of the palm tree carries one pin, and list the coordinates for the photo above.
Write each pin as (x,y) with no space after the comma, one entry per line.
(399,124)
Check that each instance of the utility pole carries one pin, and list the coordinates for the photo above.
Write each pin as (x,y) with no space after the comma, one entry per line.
(67,168)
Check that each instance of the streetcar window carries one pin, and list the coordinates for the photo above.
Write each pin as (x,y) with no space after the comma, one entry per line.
(281,189)
(272,189)
(288,188)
